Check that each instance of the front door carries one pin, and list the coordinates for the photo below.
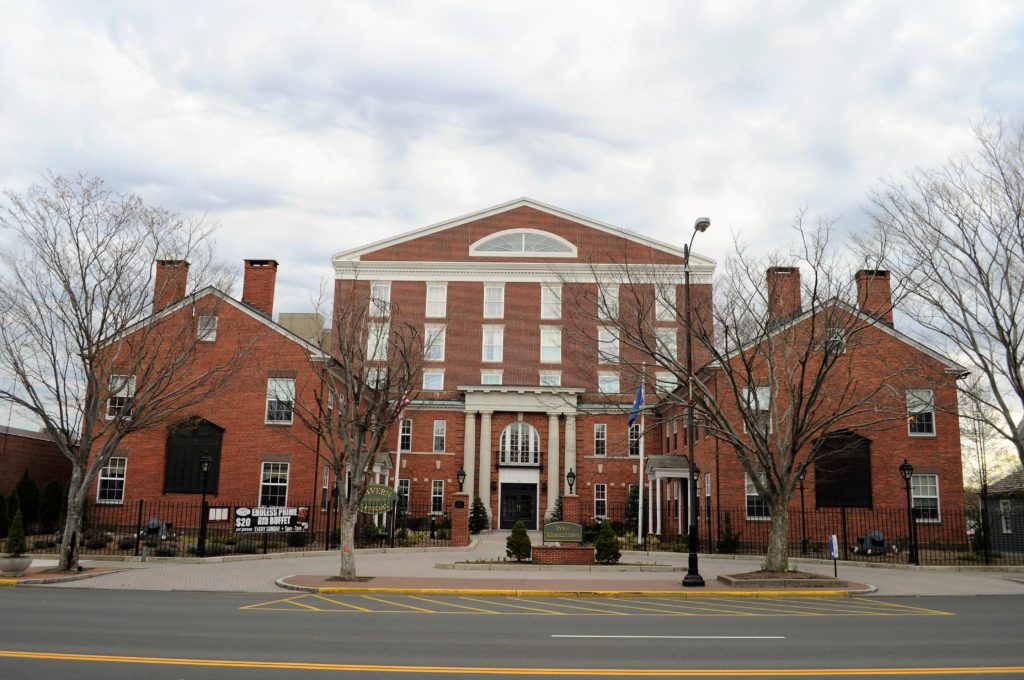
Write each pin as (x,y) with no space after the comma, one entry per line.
(518,502)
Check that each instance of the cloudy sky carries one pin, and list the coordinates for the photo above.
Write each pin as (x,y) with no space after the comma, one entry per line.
(308,128)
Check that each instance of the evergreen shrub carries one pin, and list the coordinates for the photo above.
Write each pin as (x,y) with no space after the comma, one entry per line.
(607,545)
(518,545)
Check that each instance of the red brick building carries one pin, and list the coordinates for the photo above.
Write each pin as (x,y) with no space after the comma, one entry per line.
(22,450)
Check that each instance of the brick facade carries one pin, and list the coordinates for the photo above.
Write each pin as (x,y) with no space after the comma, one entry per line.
(21,450)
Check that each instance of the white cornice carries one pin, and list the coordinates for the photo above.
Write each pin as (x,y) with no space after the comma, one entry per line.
(528,272)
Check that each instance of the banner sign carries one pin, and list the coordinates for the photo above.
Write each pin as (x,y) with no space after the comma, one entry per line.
(271,520)
(378,499)
(563,532)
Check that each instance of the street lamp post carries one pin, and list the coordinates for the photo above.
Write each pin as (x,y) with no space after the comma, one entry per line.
(570,478)
(803,513)
(204,466)
(907,470)
(693,577)
(461,476)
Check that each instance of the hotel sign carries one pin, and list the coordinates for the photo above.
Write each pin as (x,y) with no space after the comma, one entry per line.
(563,532)
(378,499)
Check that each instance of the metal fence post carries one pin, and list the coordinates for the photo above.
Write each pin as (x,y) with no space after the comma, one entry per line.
(138,527)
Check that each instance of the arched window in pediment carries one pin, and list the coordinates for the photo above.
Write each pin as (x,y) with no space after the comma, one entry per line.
(528,242)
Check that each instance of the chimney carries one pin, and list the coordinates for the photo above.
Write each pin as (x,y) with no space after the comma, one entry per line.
(169,286)
(783,292)
(874,294)
(258,286)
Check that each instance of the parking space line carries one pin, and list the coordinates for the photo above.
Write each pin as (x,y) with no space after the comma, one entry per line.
(294,600)
(399,604)
(517,606)
(344,604)
(453,604)
(690,605)
(670,612)
(882,603)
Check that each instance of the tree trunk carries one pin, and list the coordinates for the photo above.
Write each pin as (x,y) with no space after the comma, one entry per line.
(777,558)
(347,570)
(71,541)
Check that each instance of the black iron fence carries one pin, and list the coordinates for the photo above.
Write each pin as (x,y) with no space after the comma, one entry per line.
(173,528)
(950,537)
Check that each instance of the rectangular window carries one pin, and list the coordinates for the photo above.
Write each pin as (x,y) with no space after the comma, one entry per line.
(608,301)
(600,439)
(437,300)
(665,382)
(405,435)
(551,378)
(274,485)
(121,389)
(440,428)
(494,302)
(403,493)
(665,303)
(634,439)
(433,342)
(835,340)
(924,489)
(757,508)
(494,343)
(1005,516)
(550,302)
(436,496)
(325,496)
(433,380)
(608,383)
(380,299)
(206,330)
(280,396)
(110,489)
(607,346)
(377,377)
(377,341)
(666,341)
(600,501)
(551,345)
(758,411)
(490,377)
(707,484)
(920,412)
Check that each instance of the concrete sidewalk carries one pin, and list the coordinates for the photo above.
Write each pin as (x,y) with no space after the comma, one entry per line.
(435,570)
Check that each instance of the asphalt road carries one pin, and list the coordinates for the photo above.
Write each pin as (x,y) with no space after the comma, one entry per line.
(122,634)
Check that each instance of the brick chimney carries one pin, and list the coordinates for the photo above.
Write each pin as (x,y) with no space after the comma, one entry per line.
(874,294)
(783,292)
(258,285)
(169,285)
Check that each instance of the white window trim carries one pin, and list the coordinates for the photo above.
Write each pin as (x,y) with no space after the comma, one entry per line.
(835,336)
(556,291)
(207,333)
(287,481)
(605,374)
(762,406)
(603,488)
(433,372)
(604,356)
(608,301)
(664,296)
(272,395)
(601,428)
(1006,515)
(494,286)
(443,302)
(103,476)
(483,344)
(557,375)
(443,434)
(747,482)
(126,392)
(548,331)
(935,424)
(938,500)
(403,435)
(435,336)
(499,373)
(634,436)
(665,382)
(433,494)
(474,248)
(380,307)
(667,341)
(405,489)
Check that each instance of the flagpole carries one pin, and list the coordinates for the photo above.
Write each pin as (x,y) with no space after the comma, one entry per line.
(640,514)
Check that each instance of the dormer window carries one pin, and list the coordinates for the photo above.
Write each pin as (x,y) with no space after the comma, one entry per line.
(523,242)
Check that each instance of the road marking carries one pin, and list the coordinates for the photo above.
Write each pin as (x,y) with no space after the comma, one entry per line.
(516,606)
(344,604)
(676,637)
(399,604)
(454,604)
(512,671)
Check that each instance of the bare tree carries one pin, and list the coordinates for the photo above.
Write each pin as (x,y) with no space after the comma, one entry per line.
(955,235)
(373,372)
(88,356)
(771,377)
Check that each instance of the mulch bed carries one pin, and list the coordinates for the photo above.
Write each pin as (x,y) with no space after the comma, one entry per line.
(768,575)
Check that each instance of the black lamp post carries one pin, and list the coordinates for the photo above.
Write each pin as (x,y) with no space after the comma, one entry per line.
(693,577)
(803,513)
(570,478)
(205,463)
(907,470)
(461,476)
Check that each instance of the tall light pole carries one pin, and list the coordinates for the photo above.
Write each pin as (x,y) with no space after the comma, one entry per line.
(693,579)
(204,466)
(907,470)
(803,513)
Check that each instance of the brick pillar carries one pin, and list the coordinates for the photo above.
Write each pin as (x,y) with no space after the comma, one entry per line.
(572,509)
(460,519)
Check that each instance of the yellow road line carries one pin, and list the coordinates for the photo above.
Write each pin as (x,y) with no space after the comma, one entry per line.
(399,604)
(453,604)
(518,606)
(648,608)
(472,670)
(708,607)
(344,604)
(882,603)
(295,601)
(263,604)
(586,609)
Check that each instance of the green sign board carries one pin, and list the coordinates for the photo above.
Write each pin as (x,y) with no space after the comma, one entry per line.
(563,532)
(378,499)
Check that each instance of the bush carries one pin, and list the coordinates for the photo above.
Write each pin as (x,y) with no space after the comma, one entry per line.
(94,539)
(298,539)
(126,543)
(216,549)
(16,546)
(246,547)
(478,516)
(607,545)
(50,505)
(95,543)
(44,544)
(4,522)
(729,542)
(166,550)
(557,514)
(590,533)
(518,545)
(28,495)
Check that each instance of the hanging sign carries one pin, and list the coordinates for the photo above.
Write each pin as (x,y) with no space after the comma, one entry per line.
(265,520)
(378,499)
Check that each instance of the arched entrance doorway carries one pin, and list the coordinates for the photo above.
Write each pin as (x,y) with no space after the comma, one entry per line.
(519,475)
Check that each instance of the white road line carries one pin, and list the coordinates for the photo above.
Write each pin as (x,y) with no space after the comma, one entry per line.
(678,637)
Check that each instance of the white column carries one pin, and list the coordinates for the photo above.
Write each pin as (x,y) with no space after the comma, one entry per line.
(485,460)
(657,486)
(650,506)
(570,449)
(552,462)
(469,450)
(679,506)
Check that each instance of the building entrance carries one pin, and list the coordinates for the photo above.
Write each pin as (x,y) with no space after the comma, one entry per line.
(518,502)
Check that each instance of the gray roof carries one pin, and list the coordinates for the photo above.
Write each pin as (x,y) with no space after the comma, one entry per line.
(1011,484)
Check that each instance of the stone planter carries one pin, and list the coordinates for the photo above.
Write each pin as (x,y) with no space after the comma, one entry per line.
(14,566)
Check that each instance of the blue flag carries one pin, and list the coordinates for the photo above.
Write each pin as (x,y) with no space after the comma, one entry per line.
(638,404)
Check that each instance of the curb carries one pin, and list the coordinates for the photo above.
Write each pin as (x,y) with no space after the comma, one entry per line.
(8,582)
(47,580)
